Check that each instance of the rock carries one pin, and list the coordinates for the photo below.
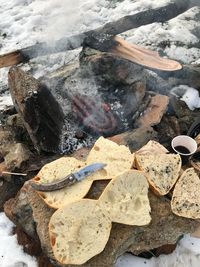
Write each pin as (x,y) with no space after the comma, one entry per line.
(13,154)
(29,244)
(136,138)
(17,156)
(110,68)
(165,227)
(19,211)
(15,121)
(163,82)
(6,141)
(185,116)
(41,114)
(31,247)
(8,185)
(9,189)
(39,208)
(165,249)
(154,112)
(167,129)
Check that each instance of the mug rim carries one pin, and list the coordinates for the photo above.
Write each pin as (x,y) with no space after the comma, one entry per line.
(188,137)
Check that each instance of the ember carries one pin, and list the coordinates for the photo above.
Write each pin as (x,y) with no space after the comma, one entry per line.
(95,116)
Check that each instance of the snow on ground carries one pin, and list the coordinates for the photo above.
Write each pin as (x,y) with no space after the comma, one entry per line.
(25,22)
(11,254)
(5,101)
(186,254)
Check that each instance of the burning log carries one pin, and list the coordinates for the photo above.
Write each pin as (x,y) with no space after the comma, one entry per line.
(161,14)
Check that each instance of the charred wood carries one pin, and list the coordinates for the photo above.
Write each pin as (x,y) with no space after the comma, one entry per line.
(163,82)
(39,110)
(131,52)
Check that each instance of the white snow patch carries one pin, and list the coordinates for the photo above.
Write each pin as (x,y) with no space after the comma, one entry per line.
(188,94)
(187,253)
(11,254)
(178,34)
(5,101)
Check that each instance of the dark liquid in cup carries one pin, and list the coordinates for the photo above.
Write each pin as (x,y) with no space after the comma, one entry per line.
(182,150)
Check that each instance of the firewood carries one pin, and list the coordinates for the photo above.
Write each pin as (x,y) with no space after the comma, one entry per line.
(14,173)
(161,14)
(40,112)
(144,56)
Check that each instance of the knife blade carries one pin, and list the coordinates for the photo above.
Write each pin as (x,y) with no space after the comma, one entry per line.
(69,179)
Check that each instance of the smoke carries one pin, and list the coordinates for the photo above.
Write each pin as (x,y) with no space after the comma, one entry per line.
(63,18)
(195,2)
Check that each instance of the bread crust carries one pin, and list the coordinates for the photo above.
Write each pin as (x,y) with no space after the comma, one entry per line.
(185,199)
(155,159)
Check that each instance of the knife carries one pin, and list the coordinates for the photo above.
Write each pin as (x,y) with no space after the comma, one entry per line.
(69,179)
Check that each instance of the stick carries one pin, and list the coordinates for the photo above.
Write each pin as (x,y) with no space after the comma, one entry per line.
(161,14)
(15,173)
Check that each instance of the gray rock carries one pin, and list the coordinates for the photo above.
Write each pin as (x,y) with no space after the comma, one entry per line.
(17,156)
(165,227)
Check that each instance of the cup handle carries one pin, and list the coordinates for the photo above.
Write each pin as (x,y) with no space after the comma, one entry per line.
(194,129)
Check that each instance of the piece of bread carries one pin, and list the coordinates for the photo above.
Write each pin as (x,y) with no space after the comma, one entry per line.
(78,232)
(117,157)
(56,170)
(152,147)
(162,170)
(125,199)
(186,199)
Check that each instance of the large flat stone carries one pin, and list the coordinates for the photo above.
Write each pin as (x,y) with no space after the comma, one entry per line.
(165,227)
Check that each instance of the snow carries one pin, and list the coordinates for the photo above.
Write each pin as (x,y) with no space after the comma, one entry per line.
(188,94)
(186,254)
(5,101)
(11,254)
(25,22)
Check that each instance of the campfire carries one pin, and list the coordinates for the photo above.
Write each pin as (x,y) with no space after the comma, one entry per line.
(117,92)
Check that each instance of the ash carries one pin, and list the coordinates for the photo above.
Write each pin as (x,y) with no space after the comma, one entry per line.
(70,142)
(118,109)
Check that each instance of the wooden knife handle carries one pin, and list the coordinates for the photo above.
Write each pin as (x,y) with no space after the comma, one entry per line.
(56,185)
